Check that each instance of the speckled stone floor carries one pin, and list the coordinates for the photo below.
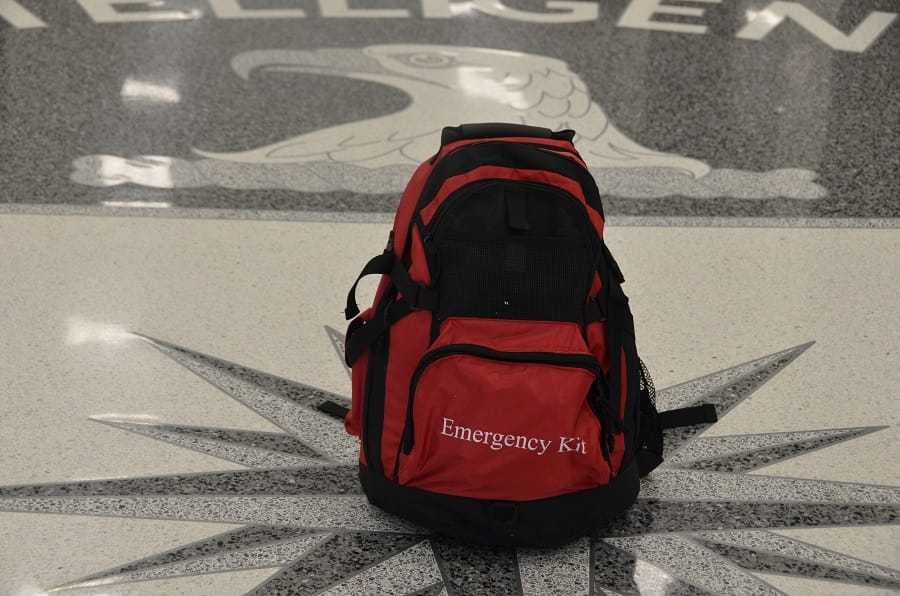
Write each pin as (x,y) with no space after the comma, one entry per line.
(187,187)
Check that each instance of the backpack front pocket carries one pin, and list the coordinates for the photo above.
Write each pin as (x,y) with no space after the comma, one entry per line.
(504,425)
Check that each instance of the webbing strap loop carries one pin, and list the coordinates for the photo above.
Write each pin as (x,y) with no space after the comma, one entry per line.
(382,263)
(650,453)
(700,414)
(413,296)
(418,296)
(364,334)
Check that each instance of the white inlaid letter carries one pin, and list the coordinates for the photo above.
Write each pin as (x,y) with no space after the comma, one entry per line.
(18,16)
(341,8)
(565,11)
(761,22)
(232,9)
(639,15)
(104,11)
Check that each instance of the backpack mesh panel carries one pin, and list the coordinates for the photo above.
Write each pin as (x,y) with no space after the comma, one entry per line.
(523,278)
(647,385)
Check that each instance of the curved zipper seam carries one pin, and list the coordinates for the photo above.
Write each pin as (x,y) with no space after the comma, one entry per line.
(591,366)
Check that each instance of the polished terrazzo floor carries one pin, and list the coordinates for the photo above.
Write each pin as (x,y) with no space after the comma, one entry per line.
(187,187)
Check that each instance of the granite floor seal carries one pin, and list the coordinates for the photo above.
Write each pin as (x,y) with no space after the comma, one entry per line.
(676,504)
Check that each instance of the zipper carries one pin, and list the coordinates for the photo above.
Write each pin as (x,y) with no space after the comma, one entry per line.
(600,404)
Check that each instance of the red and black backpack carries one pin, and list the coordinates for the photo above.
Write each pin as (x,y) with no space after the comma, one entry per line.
(497,389)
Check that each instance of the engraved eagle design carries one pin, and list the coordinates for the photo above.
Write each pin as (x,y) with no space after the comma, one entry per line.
(447,85)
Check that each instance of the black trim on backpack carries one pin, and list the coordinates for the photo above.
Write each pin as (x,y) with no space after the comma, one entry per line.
(649,444)
(363,333)
(482,130)
(376,377)
(541,523)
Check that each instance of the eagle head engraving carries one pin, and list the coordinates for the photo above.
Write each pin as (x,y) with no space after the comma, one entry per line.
(447,85)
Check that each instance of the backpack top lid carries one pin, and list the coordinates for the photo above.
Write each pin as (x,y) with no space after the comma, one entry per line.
(483,130)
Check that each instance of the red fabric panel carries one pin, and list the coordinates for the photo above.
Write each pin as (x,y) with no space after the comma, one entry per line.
(407,206)
(418,267)
(383,285)
(499,430)
(352,421)
(408,342)
(554,437)
(454,183)
(596,339)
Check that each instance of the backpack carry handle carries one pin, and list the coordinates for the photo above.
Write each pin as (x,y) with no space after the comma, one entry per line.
(484,130)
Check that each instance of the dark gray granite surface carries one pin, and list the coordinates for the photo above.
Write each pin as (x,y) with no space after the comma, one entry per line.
(115,114)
